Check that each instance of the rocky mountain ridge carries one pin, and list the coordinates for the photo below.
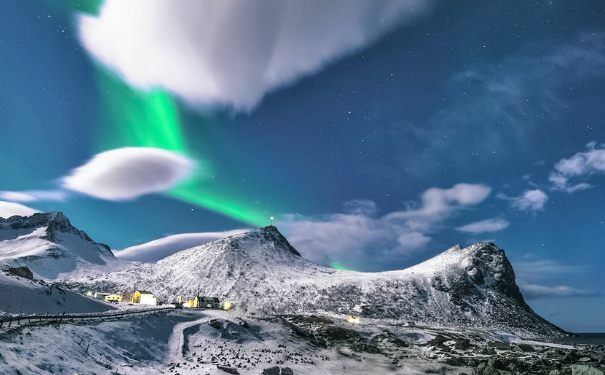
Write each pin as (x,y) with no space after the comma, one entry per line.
(49,245)
(261,272)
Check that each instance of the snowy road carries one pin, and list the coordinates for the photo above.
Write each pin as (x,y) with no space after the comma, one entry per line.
(176,344)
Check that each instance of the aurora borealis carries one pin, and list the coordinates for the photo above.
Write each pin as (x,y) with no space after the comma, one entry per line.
(385,134)
(151,119)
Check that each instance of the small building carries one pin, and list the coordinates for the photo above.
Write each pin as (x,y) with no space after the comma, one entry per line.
(101,296)
(113,298)
(90,293)
(144,298)
(206,302)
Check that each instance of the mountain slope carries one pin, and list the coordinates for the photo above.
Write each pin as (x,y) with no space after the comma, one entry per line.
(50,246)
(261,271)
(161,248)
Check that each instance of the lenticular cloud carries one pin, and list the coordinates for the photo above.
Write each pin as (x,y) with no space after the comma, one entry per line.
(8,209)
(232,52)
(127,173)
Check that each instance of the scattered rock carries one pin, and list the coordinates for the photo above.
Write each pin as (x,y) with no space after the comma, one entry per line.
(229,370)
(463,344)
(272,371)
(485,368)
(24,272)
(585,370)
(499,345)
(214,323)
(524,348)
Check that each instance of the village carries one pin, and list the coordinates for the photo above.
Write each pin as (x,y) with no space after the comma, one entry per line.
(148,298)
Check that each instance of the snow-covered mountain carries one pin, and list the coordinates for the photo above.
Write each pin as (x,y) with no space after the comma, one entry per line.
(260,271)
(155,250)
(50,246)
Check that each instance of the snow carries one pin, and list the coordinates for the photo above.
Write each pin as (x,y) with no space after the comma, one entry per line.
(260,272)
(19,295)
(52,249)
(161,248)
(158,343)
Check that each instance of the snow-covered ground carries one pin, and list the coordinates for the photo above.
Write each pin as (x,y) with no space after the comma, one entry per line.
(186,343)
(260,272)
(20,295)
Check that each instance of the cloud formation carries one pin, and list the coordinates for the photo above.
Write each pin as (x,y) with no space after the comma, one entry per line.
(33,195)
(232,52)
(8,209)
(484,226)
(361,239)
(161,248)
(568,174)
(127,173)
(535,291)
(533,272)
(530,200)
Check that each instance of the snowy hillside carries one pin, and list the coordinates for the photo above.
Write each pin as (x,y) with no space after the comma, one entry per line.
(21,295)
(260,271)
(50,246)
(161,248)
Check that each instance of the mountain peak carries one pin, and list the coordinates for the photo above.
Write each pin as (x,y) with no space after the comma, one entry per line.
(48,244)
(270,234)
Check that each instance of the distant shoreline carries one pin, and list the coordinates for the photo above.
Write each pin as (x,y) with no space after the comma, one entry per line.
(591,338)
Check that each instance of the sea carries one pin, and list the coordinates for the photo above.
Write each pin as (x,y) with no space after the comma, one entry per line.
(583,338)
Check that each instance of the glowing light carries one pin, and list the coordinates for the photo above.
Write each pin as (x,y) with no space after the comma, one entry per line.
(354,320)
(338,266)
(227,306)
(151,120)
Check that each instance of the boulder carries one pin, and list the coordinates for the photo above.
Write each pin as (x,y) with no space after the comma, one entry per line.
(229,370)
(499,345)
(585,370)
(272,371)
(524,348)
(21,272)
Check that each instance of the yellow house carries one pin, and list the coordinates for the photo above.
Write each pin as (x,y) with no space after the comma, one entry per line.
(145,298)
(113,298)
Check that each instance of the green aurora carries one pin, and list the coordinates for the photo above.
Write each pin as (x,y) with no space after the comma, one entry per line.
(151,119)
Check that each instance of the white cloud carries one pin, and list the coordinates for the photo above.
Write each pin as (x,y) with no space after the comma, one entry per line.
(438,203)
(580,166)
(360,239)
(33,195)
(483,226)
(232,52)
(127,173)
(535,291)
(534,272)
(161,248)
(412,240)
(532,268)
(530,200)
(8,209)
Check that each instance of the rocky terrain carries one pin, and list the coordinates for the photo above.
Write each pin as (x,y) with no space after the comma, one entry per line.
(50,246)
(460,312)
(261,272)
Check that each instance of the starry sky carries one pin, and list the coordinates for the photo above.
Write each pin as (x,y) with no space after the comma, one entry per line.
(377,133)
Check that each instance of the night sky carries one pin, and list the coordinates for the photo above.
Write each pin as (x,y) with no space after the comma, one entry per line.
(377,133)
